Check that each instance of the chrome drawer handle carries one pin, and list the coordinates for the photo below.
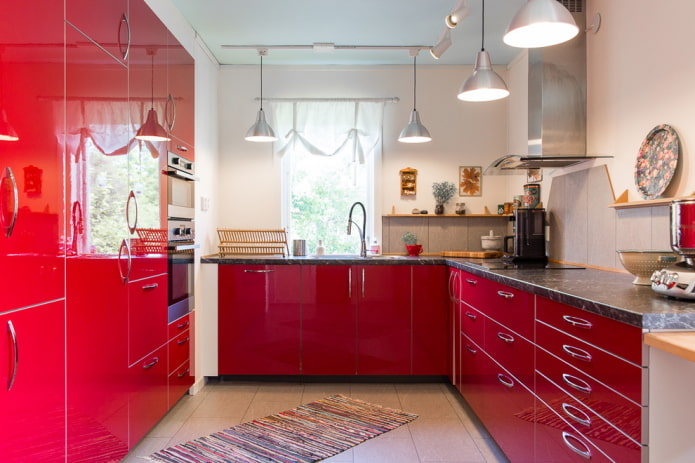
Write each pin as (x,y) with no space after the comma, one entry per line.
(576,414)
(182,325)
(471,350)
(258,271)
(508,338)
(152,286)
(586,453)
(472,316)
(184,372)
(183,341)
(471,282)
(15,357)
(506,294)
(151,364)
(576,352)
(506,381)
(578,322)
(576,383)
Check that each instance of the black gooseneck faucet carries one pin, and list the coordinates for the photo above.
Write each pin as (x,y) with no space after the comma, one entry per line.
(363,249)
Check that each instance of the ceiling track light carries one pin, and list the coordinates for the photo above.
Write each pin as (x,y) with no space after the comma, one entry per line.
(414,132)
(261,131)
(484,84)
(443,43)
(540,23)
(457,14)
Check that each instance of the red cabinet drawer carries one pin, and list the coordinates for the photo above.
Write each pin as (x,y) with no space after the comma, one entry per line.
(586,389)
(620,375)
(179,350)
(619,338)
(179,326)
(147,316)
(618,445)
(472,323)
(510,350)
(471,289)
(149,399)
(180,380)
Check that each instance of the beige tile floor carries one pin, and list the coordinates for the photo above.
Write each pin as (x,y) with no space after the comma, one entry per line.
(446,430)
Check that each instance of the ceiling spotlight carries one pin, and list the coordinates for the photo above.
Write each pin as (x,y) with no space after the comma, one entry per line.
(442,45)
(323,47)
(540,23)
(459,12)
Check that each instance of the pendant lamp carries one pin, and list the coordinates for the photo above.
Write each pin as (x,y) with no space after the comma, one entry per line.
(414,132)
(151,130)
(261,131)
(540,23)
(484,84)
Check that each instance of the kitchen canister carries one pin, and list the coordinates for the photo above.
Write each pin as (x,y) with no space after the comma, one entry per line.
(299,247)
(532,195)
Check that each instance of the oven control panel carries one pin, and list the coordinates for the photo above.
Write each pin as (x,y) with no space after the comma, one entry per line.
(181,230)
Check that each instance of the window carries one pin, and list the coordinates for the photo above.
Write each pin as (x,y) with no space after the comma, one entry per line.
(330,153)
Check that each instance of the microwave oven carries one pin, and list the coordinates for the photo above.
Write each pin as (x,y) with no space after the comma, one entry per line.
(180,188)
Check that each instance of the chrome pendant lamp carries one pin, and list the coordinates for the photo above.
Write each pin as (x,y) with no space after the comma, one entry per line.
(151,130)
(540,23)
(414,132)
(484,84)
(261,131)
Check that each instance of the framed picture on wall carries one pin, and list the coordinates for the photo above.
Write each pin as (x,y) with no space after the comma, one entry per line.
(470,181)
(534,175)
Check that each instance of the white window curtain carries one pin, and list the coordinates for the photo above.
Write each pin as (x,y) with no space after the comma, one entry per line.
(327,127)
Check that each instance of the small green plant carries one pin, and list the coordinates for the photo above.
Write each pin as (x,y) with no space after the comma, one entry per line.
(409,238)
(443,191)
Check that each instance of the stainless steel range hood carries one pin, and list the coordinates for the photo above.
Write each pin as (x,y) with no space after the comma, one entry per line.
(556,105)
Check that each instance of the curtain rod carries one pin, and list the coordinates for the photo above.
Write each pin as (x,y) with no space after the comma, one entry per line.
(393,99)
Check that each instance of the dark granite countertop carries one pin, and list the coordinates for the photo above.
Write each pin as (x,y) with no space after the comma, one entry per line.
(610,294)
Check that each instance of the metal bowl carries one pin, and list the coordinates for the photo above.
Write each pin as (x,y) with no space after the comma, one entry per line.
(642,263)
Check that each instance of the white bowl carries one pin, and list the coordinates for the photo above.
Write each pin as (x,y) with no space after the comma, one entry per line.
(491,242)
(642,263)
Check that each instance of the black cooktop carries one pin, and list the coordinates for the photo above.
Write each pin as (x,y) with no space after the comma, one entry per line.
(500,264)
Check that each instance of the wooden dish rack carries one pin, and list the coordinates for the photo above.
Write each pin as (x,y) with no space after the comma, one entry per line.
(258,242)
(150,241)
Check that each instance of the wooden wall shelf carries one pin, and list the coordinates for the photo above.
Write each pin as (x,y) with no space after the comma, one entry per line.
(622,203)
(448,215)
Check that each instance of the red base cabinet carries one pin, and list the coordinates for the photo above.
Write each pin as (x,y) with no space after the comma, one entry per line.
(430,320)
(148,400)
(259,319)
(180,346)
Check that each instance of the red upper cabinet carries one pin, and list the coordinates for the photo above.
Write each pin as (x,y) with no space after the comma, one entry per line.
(259,319)
(180,106)
(383,319)
(31,154)
(329,320)
(105,23)
(430,319)
(32,384)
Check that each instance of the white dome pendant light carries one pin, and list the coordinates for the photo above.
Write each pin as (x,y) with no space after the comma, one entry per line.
(261,131)
(484,84)
(540,23)
(414,132)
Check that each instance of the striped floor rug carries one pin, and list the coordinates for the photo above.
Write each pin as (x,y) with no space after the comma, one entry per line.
(308,433)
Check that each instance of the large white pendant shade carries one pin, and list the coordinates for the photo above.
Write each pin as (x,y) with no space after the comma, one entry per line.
(540,23)
(484,84)
(261,131)
(151,130)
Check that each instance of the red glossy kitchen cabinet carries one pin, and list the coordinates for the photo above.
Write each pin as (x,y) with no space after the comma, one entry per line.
(147,316)
(329,320)
(383,319)
(31,160)
(148,401)
(180,104)
(181,355)
(454,328)
(430,319)
(32,379)
(97,360)
(105,23)
(259,319)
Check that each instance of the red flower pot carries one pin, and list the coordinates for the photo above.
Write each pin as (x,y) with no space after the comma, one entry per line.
(414,249)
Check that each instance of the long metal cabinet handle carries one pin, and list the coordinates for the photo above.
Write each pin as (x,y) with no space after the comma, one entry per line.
(576,383)
(506,294)
(124,52)
(9,227)
(363,283)
(125,276)
(170,114)
(151,364)
(149,287)
(15,357)
(578,322)
(506,381)
(576,414)
(258,271)
(576,352)
(508,338)
(350,283)
(586,453)
(131,197)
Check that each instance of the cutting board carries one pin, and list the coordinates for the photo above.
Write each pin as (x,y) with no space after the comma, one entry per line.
(476,254)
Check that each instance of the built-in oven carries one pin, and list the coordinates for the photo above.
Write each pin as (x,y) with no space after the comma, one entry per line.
(180,187)
(181,264)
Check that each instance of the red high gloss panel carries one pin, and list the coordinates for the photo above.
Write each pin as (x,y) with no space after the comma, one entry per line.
(383,319)
(31,167)
(97,354)
(147,316)
(259,310)
(329,320)
(430,320)
(102,22)
(179,117)
(33,418)
(148,400)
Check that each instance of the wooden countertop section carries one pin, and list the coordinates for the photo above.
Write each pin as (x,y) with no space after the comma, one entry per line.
(680,343)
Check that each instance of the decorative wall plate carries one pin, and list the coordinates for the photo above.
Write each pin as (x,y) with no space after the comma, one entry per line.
(657,161)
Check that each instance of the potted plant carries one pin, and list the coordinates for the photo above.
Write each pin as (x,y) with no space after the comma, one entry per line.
(442,192)
(410,240)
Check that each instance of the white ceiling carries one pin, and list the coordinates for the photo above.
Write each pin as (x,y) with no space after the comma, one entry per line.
(347,22)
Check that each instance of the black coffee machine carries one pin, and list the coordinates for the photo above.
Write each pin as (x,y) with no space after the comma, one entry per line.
(529,236)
